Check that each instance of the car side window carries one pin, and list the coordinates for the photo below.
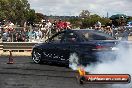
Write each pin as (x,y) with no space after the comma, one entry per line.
(57,38)
(71,38)
(97,37)
(94,36)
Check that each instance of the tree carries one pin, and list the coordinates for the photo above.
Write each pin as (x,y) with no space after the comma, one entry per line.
(76,22)
(84,14)
(119,19)
(18,11)
(129,18)
(31,16)
(89,22)
(39,17)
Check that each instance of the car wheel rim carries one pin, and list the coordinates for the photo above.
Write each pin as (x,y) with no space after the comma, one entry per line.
(73,61)
(36,57)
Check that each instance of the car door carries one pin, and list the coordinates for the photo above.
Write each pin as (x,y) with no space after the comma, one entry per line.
(67,43)
(71,41)
(56,48)
(60,46)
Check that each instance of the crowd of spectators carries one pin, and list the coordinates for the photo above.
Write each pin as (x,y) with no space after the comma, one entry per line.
(108,28)
(11,33)
(46,28)
(55,26)
(122,31)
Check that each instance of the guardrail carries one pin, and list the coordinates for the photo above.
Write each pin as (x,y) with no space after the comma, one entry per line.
(1,47)
(23,46)
(16,46)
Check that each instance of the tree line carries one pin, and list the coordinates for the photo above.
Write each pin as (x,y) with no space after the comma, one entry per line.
(18,11)
(86,20)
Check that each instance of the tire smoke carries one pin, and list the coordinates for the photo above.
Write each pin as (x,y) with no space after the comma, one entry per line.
(120,65)
(73,61)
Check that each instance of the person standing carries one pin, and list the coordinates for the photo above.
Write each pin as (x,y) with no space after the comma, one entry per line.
(109,28)
(54,27)
(60,25)
(48,28)
(98,25)
(43,29)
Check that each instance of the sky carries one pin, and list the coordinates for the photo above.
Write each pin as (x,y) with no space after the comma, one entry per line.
(74,7)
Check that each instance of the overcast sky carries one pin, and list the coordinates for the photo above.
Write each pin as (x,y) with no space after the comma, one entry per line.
(74,7)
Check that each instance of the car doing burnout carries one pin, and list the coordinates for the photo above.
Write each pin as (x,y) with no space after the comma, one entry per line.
(79,47)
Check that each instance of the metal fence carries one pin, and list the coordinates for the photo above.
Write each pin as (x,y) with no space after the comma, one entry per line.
(16,46)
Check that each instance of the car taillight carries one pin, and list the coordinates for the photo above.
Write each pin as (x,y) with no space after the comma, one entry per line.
(99,47)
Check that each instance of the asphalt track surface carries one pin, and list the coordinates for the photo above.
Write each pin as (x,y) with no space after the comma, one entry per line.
(26,74)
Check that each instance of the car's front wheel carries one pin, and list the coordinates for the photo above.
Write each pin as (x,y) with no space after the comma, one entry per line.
(36,56)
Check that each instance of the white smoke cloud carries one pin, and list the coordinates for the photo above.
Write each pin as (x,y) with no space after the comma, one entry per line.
(121,65)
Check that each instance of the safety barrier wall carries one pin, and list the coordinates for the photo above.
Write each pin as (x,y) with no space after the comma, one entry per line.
(16,46)
(24,46)
(1,47)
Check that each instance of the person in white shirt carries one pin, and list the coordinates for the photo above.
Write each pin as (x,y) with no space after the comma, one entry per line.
(98,25)
(11,25)
(48,28)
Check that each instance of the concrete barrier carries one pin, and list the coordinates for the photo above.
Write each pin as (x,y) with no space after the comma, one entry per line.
(1,47)
(22,48)
(18,48)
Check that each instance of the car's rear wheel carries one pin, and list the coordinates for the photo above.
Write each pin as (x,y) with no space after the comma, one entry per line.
(36,56)
(73,61)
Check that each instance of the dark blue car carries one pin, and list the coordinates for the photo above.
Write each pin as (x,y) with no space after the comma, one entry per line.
(70,47)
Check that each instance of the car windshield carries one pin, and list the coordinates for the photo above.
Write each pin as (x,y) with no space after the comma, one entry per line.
(94,35)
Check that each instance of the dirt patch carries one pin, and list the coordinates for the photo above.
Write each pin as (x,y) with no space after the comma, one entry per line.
(16,53)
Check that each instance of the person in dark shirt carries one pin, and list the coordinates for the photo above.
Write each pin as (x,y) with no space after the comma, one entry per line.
(54,27)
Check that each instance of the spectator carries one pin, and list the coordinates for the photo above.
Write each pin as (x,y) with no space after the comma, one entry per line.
(20,37)
(14,35)
(68,25)
(54,27)
(9,36)
(98,25)
(32,35)
(65,25)
(60,25)
(48,28)
(26,35)
(122,21)
(48,24)
(38,34)
(109,27)
(5,36)
(43,29)
(54,23)
(11,25)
